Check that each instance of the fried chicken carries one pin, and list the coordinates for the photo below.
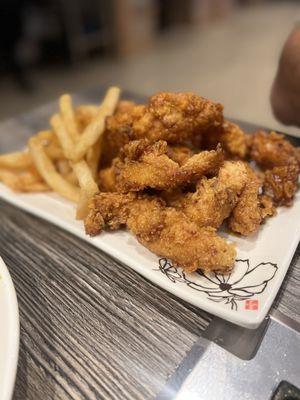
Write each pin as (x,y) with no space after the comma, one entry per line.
(203,163)
(179,153)
(231,137)
(164,230)
(251,208)
(107,180)
(282,163)
(174,117)
(214,199)
(281,184)
(143,164)
(273,150)
(164,176)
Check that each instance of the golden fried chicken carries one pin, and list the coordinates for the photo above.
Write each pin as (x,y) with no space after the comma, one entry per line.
(203,163)
(107,180)
(214,199)
(231,137)
(164,230)
(273,150)
(118,131)
(281,184)
(174,117)
(282,163)
(250,210)
(179,153)
(143,164)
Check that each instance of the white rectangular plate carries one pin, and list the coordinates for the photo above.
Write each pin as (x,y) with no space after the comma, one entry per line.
(242,297)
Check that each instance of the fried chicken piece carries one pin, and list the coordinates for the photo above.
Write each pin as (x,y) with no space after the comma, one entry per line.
(267,206)
(282,161)
(107,181)
(118,131)
(214,198)
(281,184)
(179,153)
(143,164)
(165,231)
(203,163)
(231,137)
(174,117)
(273,150)
(251,209)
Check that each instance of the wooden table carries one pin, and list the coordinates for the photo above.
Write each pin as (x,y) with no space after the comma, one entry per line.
(91,327)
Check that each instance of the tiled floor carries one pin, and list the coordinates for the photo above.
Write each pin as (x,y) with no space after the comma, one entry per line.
(233,62)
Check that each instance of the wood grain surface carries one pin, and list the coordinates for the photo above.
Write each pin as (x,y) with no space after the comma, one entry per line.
(92,328)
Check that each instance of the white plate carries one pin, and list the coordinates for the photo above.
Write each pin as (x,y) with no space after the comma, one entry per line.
(244,297)
(9,333)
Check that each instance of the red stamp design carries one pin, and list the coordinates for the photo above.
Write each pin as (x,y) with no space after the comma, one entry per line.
(251,305)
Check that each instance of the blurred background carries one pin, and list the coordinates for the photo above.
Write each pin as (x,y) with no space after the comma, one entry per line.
(226,50)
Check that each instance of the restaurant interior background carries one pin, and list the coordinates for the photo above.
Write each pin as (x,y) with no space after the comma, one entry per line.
(225,50)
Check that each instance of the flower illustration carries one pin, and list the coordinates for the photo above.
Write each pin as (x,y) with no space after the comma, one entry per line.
(241,284)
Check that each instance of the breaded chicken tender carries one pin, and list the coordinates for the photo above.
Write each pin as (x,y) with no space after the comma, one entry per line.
(143,164)
(203,163)
(179,153)
(214,199)
(107,180)
(173,117)
(164,230)
(231,137)
(250,210)
(273,150)
(281,161)
(281,184)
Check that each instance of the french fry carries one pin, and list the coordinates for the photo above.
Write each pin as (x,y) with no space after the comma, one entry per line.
(81,169)
(72,178)
(62,135)
(87,184)
(51,144)
(16,160)
(54,152)
(27,181)
(82,206)
(96,128)
(63,167)
(68,116)
(93,157)
(47,170)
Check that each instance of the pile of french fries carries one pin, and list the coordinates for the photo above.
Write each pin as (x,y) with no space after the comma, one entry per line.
(65,158)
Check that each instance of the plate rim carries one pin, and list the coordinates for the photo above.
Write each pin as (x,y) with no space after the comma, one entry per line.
(7,389)
(251,322)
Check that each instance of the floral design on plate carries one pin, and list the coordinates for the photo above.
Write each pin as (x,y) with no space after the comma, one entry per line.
(241,284)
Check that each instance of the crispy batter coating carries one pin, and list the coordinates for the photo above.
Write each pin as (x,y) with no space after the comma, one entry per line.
(281,159)
(107,181)
(174,117)
(143,164)
(203,163)
(118,131)
(173,199)
(273,150)
(179,153)
(215,198)
(250,210)
(164,230)
(281,184)
(231,137)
